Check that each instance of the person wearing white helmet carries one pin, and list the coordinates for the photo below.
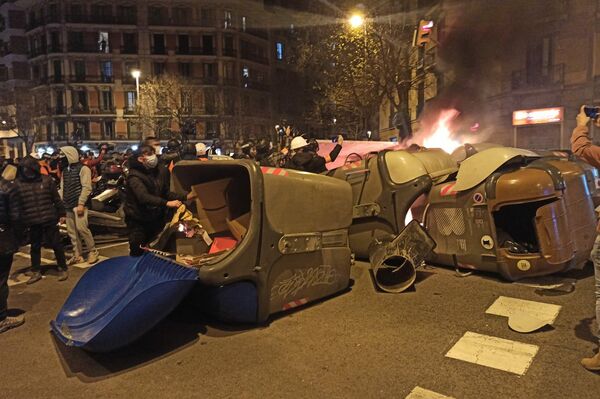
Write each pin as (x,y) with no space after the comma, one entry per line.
(305,157)
(201,150)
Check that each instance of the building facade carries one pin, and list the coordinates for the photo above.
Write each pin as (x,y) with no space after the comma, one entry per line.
(80,55)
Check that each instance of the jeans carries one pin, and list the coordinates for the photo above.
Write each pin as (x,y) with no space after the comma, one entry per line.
(46,234)
(78,229)
(5,264)
(596,260)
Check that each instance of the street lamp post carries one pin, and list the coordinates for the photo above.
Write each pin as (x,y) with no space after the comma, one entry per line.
(136,73)
(357,21)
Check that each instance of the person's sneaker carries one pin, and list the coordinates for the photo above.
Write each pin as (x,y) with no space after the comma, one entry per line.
(34,278)
(75,260)
(63,274)
(93,257)
(592,363)
(11,322)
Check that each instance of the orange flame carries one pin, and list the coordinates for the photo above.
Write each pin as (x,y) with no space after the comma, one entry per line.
(441,136)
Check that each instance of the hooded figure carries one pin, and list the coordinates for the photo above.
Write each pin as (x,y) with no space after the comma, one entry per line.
(36,207)
(75,190)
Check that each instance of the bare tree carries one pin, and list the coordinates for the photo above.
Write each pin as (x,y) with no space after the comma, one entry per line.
(354,71)
(21,109)
(169,101)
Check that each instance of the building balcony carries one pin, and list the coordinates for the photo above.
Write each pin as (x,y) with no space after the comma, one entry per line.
(129,50)
(195,51)
(103,110)
(261,33)
(163,20)
(91,79)
(159,50)
(82,48)
(43,20)
(255,58)
(254,85)
(100,19)
(80,110)
(209,80)
(525,79)
(55,48)
(229,52)
(36,52)
(57,110)
(230,82)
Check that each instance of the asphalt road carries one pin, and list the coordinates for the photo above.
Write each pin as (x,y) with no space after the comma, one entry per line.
(359,344)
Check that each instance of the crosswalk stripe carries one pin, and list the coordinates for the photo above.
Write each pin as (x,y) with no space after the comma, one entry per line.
(498,353)
(507,306)
(43,260)
(422,393)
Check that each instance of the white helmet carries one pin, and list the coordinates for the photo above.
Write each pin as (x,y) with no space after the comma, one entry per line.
(200,149)
(298,142)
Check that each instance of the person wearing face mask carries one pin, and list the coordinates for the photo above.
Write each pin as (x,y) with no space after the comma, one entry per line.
(147,198)
(154,143)
(36,207)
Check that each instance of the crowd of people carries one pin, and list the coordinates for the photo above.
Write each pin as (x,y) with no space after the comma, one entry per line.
(38,193)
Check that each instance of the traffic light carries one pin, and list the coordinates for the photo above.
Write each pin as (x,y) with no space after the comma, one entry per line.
(423,33)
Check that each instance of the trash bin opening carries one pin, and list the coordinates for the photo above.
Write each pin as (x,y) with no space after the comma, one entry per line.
(395,274)
(221,210)
(515,226)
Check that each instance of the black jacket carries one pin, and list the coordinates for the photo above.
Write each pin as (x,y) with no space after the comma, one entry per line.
(147,193)
(8,242)
(35,199)
(307,162)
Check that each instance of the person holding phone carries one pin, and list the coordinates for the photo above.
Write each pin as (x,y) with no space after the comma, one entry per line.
(582,145)
(305,157)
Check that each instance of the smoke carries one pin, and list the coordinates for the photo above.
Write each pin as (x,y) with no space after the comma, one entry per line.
(475,39)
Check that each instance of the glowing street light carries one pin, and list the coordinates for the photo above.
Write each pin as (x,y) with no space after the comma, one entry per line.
(136,73)
(356,21)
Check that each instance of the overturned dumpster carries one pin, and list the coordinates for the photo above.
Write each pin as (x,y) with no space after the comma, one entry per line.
(384,188)
(515,213)
(269,240)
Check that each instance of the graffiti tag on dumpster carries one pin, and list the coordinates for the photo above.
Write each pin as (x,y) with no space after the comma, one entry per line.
(304,278)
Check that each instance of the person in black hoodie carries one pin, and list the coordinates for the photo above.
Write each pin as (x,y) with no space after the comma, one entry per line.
(147,198)
(305,158)
(8,246)
(37,207)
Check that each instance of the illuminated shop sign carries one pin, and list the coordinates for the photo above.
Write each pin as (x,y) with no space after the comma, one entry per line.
(538,116)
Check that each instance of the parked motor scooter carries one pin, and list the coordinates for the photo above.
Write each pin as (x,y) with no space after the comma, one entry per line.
(106,211)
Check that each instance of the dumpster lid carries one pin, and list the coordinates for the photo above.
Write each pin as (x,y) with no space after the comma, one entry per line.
(404,166)
(468,150)
(478,167)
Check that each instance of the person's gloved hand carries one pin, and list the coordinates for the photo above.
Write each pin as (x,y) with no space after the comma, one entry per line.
(582,118)
(340,139)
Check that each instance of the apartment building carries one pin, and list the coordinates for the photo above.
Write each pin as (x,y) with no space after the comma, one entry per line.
(81,54)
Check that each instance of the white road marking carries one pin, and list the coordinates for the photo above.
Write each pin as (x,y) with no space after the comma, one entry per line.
(506,306)
(21,278)
(43,260)
(498,353)
(113,245)
(421,393)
